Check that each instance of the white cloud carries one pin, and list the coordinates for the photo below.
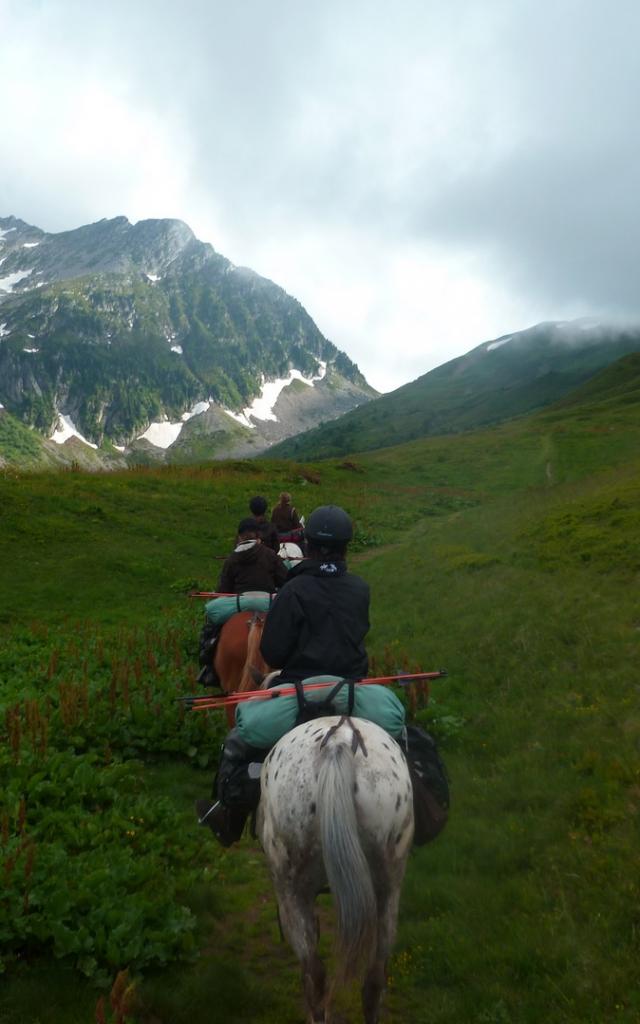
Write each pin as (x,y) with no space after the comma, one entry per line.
(398,312)
(422,177)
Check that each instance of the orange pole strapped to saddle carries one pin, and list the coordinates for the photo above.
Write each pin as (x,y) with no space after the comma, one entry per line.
(204,703)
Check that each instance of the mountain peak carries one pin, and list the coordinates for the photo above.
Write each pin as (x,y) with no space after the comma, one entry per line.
(110,245)
(114,327)
(164,225)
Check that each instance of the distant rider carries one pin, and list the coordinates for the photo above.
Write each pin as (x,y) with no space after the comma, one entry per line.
(267,530)
(285,518)
(251,566)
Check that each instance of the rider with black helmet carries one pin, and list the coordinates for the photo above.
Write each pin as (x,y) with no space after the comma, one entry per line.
(318,621)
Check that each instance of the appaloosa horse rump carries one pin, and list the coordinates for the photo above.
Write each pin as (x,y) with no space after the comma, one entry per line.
(336,809)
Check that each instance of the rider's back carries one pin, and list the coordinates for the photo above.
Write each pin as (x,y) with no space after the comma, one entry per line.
(252,566)
(318,622)
(285,518)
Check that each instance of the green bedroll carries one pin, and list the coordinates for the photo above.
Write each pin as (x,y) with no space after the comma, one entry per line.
(261,723)
(222,608)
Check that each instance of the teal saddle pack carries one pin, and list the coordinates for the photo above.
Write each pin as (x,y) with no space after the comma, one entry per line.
(261,723)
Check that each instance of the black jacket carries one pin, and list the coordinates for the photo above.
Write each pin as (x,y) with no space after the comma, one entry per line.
(318,622)
(254,567)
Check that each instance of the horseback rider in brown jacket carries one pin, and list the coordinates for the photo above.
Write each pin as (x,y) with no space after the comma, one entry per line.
(284,516)
(251,566)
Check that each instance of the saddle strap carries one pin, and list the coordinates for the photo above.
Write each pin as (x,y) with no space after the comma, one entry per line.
(315,709)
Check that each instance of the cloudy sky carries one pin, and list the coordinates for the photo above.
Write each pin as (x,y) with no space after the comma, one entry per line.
(422,176)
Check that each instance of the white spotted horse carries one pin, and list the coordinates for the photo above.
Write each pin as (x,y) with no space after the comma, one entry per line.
(336,809)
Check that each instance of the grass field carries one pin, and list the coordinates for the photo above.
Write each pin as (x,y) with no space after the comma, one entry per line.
(511,557)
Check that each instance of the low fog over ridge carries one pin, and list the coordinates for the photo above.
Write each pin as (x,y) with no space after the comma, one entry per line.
(573,332)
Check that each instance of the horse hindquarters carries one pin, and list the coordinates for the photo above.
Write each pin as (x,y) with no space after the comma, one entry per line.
(329,814)
(296,883)
(238,650)
(366,826)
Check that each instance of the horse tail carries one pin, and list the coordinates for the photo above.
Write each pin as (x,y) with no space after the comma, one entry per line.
(254,659)
(348,871)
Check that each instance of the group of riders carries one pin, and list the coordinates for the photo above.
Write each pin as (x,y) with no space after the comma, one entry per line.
(316,624)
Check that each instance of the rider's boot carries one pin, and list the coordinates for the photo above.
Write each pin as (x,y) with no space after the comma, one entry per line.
(207,676)
(226,823)
(208,641)
(236,790)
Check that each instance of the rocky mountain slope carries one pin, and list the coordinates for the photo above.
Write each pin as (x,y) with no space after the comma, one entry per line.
(499,379)
(139,341)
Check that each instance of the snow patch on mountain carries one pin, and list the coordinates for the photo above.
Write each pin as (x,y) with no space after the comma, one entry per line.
(30,245)
(7,283)
(498,344)
(198,408)
(240,418)
(3,331)
(66,429)
(4,232)
(177,348)
(163,433)
(262,407)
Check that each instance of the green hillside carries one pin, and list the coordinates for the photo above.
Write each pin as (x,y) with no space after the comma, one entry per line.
(494,382)
(509,555)
(618,383)
(17,443)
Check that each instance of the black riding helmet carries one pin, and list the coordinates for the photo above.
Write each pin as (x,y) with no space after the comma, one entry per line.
(258,505)
(247,525)
(329,526)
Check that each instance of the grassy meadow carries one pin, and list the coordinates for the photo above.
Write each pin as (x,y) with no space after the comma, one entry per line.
(509,556)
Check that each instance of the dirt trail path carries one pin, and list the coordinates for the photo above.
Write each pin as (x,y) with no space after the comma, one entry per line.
(249,933)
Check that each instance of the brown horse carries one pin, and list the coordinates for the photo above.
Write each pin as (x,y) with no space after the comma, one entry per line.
(238,653)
